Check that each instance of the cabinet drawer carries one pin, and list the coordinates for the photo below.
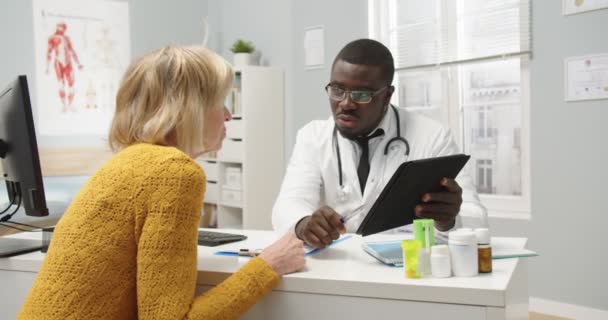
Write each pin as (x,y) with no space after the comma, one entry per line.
(211,171)
(231,196)
(231,151)
(211,193)
(233,178)
(234,129)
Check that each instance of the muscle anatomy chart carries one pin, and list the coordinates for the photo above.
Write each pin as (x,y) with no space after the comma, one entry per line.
(81,50)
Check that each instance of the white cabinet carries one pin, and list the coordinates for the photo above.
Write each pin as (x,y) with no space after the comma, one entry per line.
(249,168)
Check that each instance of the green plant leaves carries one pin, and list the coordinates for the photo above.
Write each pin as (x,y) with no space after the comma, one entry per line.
(242,46)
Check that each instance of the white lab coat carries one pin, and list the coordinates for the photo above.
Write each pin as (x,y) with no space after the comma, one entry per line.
(312,178)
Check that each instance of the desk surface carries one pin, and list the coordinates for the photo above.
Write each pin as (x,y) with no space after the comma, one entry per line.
(345,270)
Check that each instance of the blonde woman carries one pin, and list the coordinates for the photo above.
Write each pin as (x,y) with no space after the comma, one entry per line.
(126,247)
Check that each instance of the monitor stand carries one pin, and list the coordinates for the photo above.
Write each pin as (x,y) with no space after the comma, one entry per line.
(11,247)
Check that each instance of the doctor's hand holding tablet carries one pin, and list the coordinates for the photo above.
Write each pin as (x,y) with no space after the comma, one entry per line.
(325,225)
(443,207)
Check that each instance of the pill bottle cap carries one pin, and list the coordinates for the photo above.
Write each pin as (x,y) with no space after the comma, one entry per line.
(462,237)
(483,235)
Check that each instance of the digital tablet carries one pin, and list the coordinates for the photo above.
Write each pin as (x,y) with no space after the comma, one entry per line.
(395,205)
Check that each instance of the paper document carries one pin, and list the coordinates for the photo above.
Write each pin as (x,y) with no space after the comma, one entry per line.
(577,6)
(586,77)
(314,47)
(252,244)
(504,251)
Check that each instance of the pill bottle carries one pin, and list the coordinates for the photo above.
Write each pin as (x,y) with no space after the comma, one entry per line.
(484,250)
(441,266)
(463,252)
(410,256)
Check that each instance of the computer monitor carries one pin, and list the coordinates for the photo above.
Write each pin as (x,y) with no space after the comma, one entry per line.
(19,161)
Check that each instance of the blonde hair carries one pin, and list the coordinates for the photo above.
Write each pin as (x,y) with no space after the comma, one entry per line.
(164,96)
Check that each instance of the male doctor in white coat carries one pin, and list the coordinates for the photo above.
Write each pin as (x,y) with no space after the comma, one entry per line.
(339,166)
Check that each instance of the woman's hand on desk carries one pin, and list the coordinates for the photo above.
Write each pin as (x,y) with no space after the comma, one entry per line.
(286,255)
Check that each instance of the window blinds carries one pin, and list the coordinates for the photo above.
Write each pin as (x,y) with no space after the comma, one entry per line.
(441,32)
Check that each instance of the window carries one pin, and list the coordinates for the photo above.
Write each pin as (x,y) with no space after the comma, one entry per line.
(465,63)
(484,176)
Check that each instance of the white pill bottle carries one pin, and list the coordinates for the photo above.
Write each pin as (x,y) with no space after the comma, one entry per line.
(463,251)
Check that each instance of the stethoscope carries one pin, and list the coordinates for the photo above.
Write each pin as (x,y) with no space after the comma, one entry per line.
(342,189)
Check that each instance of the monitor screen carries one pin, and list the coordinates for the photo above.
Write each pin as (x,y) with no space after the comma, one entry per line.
(19,160)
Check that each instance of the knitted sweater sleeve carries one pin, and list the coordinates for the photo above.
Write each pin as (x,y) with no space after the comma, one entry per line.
(167,254)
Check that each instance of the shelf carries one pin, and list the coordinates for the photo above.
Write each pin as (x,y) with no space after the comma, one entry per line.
(231,151)
(235,161)
(232,205)
(254,144)
(229,217)
(235,226)
(212,193)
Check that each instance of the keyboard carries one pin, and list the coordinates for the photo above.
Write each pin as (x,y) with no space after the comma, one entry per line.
(11,247)
(212,238)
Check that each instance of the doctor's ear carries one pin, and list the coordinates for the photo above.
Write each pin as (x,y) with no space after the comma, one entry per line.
(389,94)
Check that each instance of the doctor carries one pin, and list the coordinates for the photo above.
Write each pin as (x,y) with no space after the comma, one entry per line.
(340,165)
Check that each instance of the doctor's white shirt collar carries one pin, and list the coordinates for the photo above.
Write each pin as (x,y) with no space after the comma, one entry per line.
(386,124)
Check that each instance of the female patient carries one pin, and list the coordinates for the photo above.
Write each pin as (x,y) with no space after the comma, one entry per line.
(126,247)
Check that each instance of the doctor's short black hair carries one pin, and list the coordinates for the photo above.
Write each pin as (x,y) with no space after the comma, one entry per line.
(370,53)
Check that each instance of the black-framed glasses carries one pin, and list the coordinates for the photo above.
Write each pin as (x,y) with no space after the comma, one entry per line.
(357,96)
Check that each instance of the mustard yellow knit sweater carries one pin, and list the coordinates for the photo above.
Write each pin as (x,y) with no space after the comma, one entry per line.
(126,248)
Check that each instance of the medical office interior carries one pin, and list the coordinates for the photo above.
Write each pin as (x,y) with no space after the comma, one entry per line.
(496,72)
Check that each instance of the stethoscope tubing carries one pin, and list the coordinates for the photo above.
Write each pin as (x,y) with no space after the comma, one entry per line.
(396,138)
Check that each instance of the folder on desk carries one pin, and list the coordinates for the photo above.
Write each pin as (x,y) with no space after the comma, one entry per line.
(387,252)
(390,252)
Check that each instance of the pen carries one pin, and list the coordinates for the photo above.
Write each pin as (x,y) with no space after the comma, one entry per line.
(355,212)
(249,253)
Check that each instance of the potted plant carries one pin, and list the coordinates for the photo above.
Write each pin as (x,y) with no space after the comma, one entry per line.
(242,52)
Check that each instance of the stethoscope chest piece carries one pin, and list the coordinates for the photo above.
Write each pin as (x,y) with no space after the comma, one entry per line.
(343,193)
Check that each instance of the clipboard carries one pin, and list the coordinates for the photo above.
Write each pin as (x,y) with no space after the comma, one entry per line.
(412,179)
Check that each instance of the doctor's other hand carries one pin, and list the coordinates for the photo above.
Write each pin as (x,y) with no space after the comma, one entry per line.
(285,255)
(320,228)
(443,207)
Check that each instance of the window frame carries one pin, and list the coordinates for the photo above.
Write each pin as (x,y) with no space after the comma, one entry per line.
(498,206)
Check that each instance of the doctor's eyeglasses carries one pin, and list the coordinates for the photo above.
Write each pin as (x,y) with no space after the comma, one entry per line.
(338,94)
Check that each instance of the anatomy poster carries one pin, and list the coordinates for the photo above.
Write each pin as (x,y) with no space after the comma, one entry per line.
(81,49)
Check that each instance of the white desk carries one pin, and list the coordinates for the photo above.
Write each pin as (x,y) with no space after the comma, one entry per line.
(341,282)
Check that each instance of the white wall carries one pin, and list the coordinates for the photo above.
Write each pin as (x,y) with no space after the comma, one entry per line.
(156,23)
(343,21)
(568,163)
